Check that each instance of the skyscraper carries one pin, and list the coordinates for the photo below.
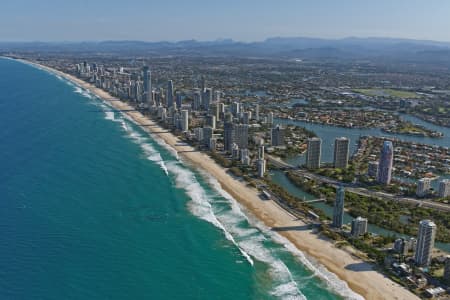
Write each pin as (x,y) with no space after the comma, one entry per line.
(178,99)
(444,188)
(169,93)
(203,84)
(338,210)
(277,136)
(206,98)
(313,153)
(359,226)
(196,104)
(341,149)
(423,186)
(235,133)
(425,242)
(228,136)
(261,167)
(241,135)
(147,75)
(270,118)
(257,112)
(386,163)
(184,120)
(235,108)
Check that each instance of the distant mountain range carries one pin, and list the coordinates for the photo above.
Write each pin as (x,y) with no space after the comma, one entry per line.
(278,47)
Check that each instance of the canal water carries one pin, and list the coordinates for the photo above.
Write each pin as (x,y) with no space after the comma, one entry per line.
(329,133)
(281,179)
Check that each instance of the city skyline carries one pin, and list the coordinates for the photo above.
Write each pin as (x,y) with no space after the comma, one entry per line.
(175,20)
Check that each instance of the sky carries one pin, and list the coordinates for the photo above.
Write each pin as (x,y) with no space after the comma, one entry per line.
(241,20)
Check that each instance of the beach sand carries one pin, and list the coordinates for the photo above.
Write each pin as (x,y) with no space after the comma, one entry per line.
(359,275)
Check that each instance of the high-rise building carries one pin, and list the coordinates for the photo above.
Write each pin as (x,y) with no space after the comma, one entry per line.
(216,111)
(257,112)
(338,209)
(211,121)
(235,108)
(261,151)
(235,151)
(197,103)
(203,84)
(400,246)
(241,135)
(184,120)
(386,163)
(425,242)
(277,136)
(444,188)
(228,136)
(235,133)
(169,94)
(359,226)
(341,150)
(221,111)
(270,118)
(217,95)
(206,98)
(313,153)
(244,156)
(147,75)
(212,144)
(261,167)
(207,134)
(246,117)
(423,186)
(178,99)
(447,269)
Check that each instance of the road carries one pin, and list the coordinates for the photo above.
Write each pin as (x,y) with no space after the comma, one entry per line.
(357,189)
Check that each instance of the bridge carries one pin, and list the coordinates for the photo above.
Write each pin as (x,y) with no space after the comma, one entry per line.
(278,162)
(315,200)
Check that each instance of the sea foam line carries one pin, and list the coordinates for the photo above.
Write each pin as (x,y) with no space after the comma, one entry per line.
(337,285)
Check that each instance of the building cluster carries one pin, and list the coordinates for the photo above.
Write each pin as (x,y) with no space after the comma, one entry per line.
(201,115)
(314,152)
(413,162)
(359,224)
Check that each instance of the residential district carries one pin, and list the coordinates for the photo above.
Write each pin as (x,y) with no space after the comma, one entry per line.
(391,183)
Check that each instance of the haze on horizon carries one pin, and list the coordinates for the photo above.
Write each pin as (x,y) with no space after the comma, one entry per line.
(252,20)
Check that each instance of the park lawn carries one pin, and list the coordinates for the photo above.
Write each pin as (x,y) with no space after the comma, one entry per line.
(387,92)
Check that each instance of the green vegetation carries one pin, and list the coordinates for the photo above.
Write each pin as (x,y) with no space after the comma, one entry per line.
(395,216)
(220,159)
(293,202)
(387,93)
(345,175)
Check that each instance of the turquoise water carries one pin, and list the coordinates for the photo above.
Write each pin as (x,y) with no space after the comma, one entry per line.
(93,208)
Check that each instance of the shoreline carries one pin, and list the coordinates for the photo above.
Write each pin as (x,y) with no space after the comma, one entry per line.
(360,276)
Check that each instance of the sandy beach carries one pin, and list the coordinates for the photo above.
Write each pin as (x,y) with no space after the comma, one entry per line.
(360,276)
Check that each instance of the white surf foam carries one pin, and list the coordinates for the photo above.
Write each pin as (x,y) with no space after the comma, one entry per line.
(201,207)
(83,92)
(333,282)
(199,204)
(109,115)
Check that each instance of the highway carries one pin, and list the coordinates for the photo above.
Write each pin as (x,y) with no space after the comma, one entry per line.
(357,189)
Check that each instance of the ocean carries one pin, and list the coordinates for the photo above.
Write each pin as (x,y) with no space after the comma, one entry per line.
(92,207)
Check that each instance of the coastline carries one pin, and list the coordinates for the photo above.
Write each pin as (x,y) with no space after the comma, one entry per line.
(359,275)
